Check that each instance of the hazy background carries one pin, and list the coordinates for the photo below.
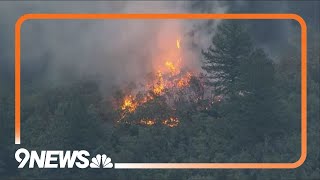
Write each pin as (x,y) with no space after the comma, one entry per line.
(57,52)
(124,50)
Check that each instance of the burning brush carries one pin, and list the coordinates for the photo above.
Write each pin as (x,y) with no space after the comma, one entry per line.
(155,101)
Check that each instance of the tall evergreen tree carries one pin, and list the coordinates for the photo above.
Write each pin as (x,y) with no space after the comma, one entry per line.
(230,46)
(260,100)
(245,76)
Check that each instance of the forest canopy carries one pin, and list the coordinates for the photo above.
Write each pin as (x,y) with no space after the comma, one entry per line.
(244,106)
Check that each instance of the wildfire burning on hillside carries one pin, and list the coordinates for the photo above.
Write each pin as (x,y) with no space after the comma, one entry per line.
(156,97)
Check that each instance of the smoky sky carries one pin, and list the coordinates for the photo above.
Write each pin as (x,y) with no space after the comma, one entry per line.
(121,50)
(275,36)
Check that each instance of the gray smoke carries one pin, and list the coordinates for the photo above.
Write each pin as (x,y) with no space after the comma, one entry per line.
(117,51)
(114,50)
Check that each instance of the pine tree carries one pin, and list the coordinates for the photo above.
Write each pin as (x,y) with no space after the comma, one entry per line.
(245,76)
(231,45)
(260,99)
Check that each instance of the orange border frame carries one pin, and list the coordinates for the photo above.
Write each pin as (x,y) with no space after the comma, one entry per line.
(295,17)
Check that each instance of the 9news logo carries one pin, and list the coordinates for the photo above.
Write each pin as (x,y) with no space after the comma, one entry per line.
(61,159)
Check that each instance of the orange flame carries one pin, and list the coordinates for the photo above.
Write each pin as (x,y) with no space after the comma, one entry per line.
(129,104)
(172,68)
(178,43)
(159,85)
(171,122)
(148,122)
(184,81)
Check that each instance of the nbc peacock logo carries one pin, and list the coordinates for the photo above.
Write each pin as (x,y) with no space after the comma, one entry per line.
(101,161)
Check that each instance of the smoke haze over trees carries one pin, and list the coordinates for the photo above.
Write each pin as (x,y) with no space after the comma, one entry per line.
(250,111)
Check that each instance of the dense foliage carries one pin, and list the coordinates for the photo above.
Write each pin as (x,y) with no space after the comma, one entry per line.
(257,119)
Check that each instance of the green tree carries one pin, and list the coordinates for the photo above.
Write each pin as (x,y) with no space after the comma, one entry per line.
(230,46)
(259,99)
(244,76)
